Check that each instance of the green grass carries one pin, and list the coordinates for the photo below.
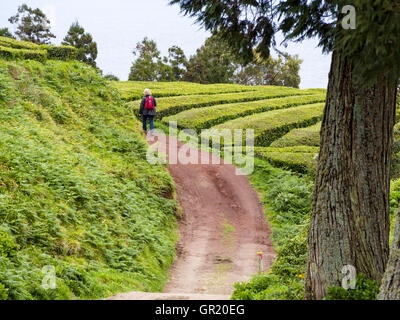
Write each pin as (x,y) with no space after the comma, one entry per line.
(172,105)
(76,190)
(309,136)
(204,118)
(271,125)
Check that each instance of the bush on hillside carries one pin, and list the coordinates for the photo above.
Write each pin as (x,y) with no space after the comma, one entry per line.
(172,105)
(365,290)
(12,49)
(245,115)
(63,53)
(302,159)
(17,44)
(22,54)
(309,136)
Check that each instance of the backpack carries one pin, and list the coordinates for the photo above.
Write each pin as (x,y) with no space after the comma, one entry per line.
(149,104)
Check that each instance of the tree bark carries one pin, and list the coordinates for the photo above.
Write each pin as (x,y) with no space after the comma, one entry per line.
(390,288)
(350,212)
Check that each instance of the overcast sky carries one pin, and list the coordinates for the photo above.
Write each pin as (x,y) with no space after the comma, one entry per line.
(119,24)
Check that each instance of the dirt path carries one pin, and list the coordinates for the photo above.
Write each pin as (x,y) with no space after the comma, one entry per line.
(221,230)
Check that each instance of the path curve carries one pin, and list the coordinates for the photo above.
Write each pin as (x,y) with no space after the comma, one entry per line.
(221,229)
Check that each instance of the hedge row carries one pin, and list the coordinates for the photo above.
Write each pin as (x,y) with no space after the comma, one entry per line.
(203,118)
(64,53)
(309,136)
(16,44)
(133,90)
(14,54)
(300,159)
(269,126)
(173,105)
(12,49)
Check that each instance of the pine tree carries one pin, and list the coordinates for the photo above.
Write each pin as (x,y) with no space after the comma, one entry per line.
(87,48)
(282,71)
(149,65)
(212,63)
(178,62)
(32,25)
(350,212)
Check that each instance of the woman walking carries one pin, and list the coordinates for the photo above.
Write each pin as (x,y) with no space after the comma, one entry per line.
(148,110)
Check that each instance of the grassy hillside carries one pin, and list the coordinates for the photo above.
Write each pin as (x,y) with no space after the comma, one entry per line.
(76,190)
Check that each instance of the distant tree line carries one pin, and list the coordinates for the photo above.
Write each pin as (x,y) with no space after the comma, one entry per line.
(213,62)
(32,25)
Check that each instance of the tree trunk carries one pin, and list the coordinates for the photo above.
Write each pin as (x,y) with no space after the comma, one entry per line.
(390,288)
(350,213)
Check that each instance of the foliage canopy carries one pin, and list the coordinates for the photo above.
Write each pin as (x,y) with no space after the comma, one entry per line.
(32,25)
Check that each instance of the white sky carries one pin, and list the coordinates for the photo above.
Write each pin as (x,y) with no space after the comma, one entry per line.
(119,24)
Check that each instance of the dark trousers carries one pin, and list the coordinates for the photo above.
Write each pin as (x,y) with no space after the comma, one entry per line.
(151,121)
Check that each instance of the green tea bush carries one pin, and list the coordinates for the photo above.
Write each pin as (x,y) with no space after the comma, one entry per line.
(17,44)
(15,54)
(172,105)
(133,90)
(271,125)
(309,136)
(12,49)
(302,159)
(203,118)
(64,53)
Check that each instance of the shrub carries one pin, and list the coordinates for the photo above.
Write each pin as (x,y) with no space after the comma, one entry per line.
(7,244)
(63,53)
(309,136)
(14,54)
(173,105)
(302,159)
(14,49)
(366,289)
(17,44)
(269,287)
(132,90)
(269,126)
(111,77)
(204,118)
